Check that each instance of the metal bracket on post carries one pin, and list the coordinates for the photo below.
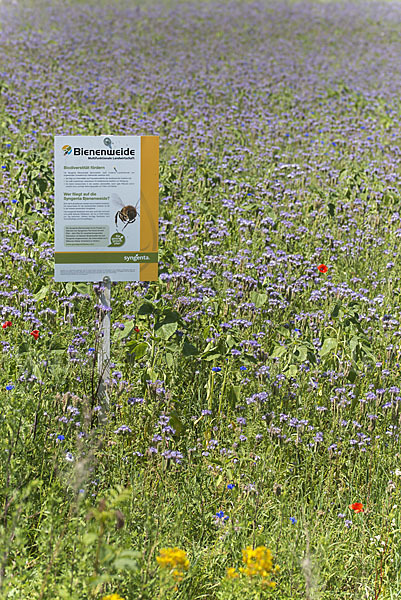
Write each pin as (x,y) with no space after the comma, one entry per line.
(104,354)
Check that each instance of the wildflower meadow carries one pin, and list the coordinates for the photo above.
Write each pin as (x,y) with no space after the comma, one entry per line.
(251,447)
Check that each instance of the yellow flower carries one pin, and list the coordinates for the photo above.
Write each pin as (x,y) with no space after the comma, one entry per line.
(175,560)
(258,562)
(232,573)
(112,597)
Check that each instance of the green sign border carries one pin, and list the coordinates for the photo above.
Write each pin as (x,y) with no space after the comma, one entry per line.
(73,258)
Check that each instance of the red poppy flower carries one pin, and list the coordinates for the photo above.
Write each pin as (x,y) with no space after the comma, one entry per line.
(35,333)
(322,268)
(357,507)
(6,324)
(136,329)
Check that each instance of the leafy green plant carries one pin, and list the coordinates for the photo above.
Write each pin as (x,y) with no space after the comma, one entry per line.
(108,557)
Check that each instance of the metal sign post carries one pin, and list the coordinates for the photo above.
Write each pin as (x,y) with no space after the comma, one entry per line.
(104,352)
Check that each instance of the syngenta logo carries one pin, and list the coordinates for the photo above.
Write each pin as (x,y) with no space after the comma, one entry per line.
(67,149)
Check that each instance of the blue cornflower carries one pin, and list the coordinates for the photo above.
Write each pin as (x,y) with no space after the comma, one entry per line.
(242,368)
(293,520)
(10,387)
(61,438)
(230,486)
(216,369)
(220,515)
(91,349)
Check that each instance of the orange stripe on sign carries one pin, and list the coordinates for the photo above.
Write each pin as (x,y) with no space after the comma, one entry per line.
(149,204)
(149,272)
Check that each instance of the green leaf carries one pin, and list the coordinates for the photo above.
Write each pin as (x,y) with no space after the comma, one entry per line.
(368,353)
(211,356)
(209,346)
(42,185)
(89,538)
(56,346)
(230,341)
(258,299)
(152,375)
(219,480)
(292,371)
(248,359)
(230,474)
(147,308)
(328,345)
(331,208)
(212,352)
(125,563)
(171,316)
(42,237)
(311,357)
(351,376)
(176,423)
(206,332)
(354,402)
(166,331)
(336,310)
(23,348)
(278,351)
(189,349)
(123,333)
(37,372)
(83,288)
(234,394)
(138,349)
(302,353)
(353,343)
(42,293)
(95,580)
(284,331)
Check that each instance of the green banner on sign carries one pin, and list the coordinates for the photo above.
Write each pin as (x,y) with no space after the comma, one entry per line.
(69,258)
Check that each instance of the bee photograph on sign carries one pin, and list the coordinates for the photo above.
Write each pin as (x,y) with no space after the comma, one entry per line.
(126,213)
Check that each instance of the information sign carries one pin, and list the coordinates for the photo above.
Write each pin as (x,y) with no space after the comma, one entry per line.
(106,208)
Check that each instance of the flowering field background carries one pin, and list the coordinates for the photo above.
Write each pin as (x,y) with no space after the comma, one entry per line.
(255,403)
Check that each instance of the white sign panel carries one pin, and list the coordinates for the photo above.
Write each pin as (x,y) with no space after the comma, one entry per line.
(99,206)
